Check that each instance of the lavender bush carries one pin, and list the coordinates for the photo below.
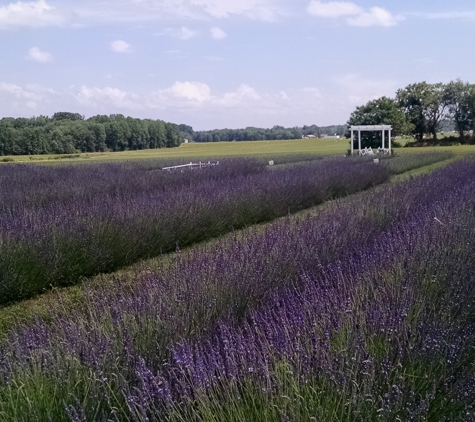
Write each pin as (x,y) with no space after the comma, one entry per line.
(63,223)
(362,311)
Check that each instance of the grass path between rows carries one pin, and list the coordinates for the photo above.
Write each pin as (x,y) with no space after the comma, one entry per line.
(71,298)
(424,170)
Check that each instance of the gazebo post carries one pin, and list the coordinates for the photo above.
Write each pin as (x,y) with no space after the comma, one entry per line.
(389,141)
(359,140)
(352,139)
(383,136)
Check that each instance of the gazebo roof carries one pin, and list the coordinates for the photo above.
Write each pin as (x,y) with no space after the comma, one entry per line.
(372,127)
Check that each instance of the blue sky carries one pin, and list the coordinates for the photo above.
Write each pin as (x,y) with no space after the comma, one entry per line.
(226,63)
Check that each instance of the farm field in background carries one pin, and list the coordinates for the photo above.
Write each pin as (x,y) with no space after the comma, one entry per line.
(209,150)
(228,149)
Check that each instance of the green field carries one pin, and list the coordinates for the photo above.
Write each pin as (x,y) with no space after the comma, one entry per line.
(206,150)
(227,149)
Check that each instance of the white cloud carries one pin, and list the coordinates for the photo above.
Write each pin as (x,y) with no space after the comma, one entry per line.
(120,46)
(333,9)
(266,10)
(359,90)
(104,98)
(185,33)
(218,33)
(37,55)
(375,17)
(19,92)
(353,14)
(256,9)
(196,97)
(40,13)
(17,97)
(244,94)
(30,14)
(186,101)
(195,91)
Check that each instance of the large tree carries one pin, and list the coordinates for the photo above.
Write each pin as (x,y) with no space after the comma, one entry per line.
(424,104)
(385,111)
(460,100)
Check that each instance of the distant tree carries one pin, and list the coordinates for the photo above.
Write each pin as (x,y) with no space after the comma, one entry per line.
(186,132)
(100,118)
(68,133)
(172,135)
(138,135)
(384,110)
(64,115)
(61,141)
(425,106)
(98,135)
(258,134)
(117,133)
(460,100)
(9,139)
(157,134)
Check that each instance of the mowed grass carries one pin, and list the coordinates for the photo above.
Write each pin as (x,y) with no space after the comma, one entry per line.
(206,150)
(459,150)
(190,151)
(425,169)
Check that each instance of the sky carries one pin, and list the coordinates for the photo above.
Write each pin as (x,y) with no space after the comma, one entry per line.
(216,64)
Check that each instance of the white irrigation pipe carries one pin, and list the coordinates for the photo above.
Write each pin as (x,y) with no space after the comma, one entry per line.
(191,165)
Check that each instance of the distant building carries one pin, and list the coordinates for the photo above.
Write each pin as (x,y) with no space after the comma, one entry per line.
(185,141)
(335,136)
(308,136)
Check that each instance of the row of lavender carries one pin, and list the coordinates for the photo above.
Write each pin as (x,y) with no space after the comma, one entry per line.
(29,187)
(26,188)
(56,226)
(387,334)
(363,311)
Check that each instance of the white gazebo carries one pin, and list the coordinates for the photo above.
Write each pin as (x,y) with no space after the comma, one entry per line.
(371,128)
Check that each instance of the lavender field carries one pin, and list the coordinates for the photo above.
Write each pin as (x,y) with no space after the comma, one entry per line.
(363,311)
(59,224)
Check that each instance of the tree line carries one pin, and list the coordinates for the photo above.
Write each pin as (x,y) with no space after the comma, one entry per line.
(259,134)
(67,133)
(421,110)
